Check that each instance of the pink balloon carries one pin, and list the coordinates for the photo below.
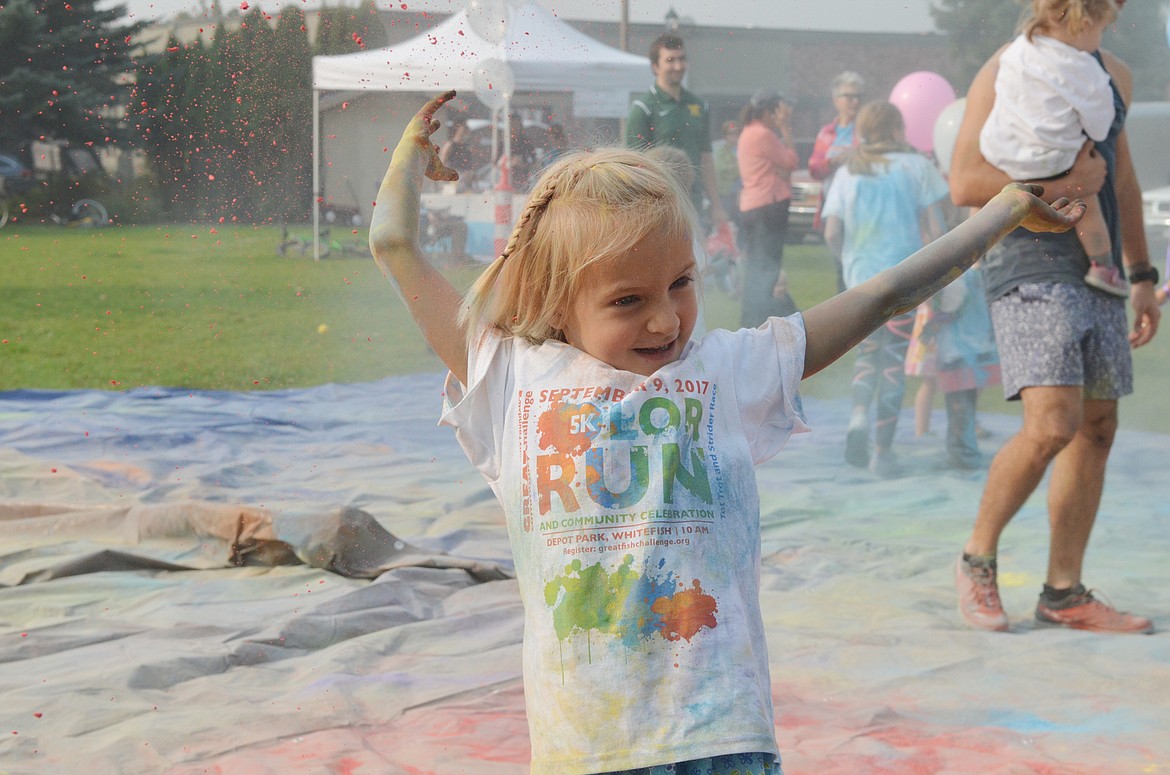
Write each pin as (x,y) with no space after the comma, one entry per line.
(921,97)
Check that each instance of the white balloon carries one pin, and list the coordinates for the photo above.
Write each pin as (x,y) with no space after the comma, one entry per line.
(494,82)
(946,131)
(488,19)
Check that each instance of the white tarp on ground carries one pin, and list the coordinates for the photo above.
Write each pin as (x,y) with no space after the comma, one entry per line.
(147,624)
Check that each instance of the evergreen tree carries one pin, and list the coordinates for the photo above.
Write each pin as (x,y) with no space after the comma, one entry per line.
(62,71)
(228,125)
(252,70)
(370,27)
(340,30)
(160,120)
(211,95)
(292,118)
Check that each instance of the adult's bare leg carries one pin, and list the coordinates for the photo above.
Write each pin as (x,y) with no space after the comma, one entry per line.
(1074,492)
(1052,417)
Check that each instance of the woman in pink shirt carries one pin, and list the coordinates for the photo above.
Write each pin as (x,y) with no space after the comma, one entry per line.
(766,161)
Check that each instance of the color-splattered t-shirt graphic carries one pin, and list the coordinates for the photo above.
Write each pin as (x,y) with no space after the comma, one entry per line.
(633,516)
(627,604)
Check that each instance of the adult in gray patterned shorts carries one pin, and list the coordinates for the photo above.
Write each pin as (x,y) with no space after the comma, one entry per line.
(1064,353)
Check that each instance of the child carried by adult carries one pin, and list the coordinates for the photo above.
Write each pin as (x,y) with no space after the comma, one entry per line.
(623,452)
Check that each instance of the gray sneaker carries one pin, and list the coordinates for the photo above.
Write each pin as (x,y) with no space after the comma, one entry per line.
(857,442)
(884,463)
(979,602)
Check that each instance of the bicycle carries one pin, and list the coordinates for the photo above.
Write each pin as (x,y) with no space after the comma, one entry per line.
(3,204)
(443,234)
(293,242)
(343,247)
(85,213)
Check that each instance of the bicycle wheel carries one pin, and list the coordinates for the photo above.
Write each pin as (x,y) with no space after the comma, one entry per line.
(91,213)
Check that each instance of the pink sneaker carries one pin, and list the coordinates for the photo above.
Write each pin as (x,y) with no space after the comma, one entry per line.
(979,602)
(1107,277)
(1088,613)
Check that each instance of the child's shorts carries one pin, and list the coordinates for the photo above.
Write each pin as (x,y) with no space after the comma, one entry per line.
(731,764)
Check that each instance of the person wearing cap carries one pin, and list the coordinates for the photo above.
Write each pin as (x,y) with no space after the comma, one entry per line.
(766,160)
(669,114)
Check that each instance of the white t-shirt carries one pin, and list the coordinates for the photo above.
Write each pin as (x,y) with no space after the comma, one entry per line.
(634,521)
(1048,97)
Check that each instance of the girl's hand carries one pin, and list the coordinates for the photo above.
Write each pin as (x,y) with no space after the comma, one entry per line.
(433,301)
(415,150)
(395,219)
(1040,216)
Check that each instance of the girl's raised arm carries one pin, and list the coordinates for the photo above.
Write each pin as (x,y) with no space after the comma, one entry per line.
(432,300)
(836,325)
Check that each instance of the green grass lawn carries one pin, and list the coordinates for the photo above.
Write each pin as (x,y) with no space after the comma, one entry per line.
(193,307)
(217,308)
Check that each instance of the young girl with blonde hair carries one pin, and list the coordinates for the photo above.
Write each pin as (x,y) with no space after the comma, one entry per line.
(622,452)
(1052,95)
(874,217)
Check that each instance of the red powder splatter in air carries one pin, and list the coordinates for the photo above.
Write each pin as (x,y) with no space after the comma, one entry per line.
(243,6)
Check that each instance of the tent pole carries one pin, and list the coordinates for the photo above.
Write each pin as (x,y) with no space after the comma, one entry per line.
(506,121)
(316,175)
(495,147)
(624,45)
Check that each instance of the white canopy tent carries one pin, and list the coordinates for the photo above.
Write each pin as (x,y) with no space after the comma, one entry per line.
(544,53)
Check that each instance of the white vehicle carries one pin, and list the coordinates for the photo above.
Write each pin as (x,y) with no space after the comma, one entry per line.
(1148,125)
(1156,208)
(1156,213)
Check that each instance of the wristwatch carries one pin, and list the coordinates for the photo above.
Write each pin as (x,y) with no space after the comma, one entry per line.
(1148,274)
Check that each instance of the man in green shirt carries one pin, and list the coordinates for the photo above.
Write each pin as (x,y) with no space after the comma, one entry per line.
(668,114)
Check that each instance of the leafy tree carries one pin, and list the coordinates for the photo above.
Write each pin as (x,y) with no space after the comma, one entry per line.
(62,71)
(977,28)
(1139,38)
